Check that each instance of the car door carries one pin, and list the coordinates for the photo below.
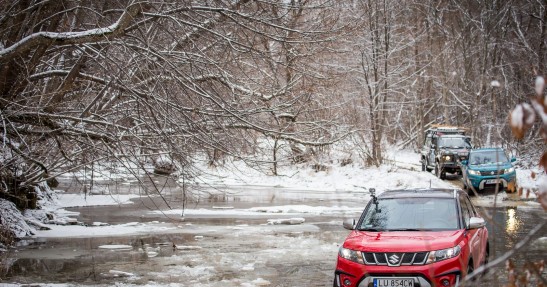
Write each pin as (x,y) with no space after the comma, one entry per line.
(432,150)
(473,235)
(482,234)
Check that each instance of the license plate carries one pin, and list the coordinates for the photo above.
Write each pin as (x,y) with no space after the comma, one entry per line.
(393,282)
(492,181)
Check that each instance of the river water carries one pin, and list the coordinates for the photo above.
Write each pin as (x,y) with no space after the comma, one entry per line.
(234,250)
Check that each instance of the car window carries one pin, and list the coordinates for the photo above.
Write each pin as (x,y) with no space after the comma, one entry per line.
(427,142)
(470,207)
(454,142)
(487,157)
(411,214)
(466,215)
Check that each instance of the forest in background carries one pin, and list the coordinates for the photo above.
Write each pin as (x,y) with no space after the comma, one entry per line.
(86,81)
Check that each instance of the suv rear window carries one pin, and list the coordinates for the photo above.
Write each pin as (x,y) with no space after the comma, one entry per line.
(410,214)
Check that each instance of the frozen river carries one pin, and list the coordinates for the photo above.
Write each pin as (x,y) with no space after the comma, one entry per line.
(226,238)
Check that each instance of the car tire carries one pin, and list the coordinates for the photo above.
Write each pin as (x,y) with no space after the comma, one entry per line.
(486,259)
(470,191)
(438,172)
(470,269)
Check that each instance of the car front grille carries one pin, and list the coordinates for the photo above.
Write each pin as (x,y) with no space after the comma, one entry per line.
(395,258)
(492,172)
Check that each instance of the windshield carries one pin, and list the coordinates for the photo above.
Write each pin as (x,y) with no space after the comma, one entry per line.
(453,142)
(487,157)
(412,214)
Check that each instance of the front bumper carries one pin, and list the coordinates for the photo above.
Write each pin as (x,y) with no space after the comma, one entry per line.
(351,274)
(481,181)
(451,167)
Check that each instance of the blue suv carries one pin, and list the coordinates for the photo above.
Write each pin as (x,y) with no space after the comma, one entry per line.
(488,167)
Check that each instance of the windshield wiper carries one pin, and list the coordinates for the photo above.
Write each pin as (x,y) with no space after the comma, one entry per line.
(405,229)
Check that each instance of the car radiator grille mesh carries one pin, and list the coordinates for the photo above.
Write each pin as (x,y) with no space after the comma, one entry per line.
(395,258)
(493,172)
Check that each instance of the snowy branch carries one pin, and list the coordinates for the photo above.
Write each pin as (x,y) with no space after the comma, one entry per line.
(67,38)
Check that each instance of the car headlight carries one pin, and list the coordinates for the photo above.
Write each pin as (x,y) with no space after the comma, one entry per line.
(439,255)
(352,255)
(474,172)
(447,158)
(509,170)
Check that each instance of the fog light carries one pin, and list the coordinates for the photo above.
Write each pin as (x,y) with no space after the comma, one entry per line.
(347,282)
(445,282)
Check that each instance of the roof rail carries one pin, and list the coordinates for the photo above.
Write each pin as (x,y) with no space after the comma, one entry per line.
(441,129)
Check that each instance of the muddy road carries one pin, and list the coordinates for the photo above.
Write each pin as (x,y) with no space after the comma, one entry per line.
(231,250)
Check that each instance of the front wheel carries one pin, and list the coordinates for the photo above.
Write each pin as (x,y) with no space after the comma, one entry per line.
(438,172)
(470,269)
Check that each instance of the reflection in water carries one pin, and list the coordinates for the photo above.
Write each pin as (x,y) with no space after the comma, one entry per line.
(512,224)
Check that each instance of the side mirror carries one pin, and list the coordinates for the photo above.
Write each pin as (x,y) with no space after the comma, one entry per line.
(476,222)
(464,162)
(513,159)
(349,224)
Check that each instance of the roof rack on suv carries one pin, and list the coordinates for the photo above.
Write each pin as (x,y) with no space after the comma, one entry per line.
(446,129)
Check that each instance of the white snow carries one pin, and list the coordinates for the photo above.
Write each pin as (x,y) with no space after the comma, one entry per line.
(400,171)
(289,221)
(351,179)
(75,200)
(540,85)
(116,247)
(10,217)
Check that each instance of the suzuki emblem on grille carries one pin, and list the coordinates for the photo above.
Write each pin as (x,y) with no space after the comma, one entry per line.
(393,259)
(492,172)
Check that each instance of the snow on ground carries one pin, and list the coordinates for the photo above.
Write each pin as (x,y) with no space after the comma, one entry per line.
(352,177)
(401,171)
(77,200)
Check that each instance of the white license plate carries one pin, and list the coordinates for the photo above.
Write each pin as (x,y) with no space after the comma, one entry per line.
(393,282)
(492,181)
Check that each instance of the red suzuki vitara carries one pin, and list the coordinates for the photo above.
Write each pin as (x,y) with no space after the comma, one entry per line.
(413,238)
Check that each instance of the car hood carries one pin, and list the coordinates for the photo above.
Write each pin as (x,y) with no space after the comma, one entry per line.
(490,166)
(402,241)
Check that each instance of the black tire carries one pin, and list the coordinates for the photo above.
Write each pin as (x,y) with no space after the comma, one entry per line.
(438,172)
(470,191)
(486,259)
(470,269)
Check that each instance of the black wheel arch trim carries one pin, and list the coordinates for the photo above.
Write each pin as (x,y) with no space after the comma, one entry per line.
(338,272)
(457,272)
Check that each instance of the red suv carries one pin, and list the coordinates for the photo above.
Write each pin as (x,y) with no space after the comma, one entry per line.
(413,238)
